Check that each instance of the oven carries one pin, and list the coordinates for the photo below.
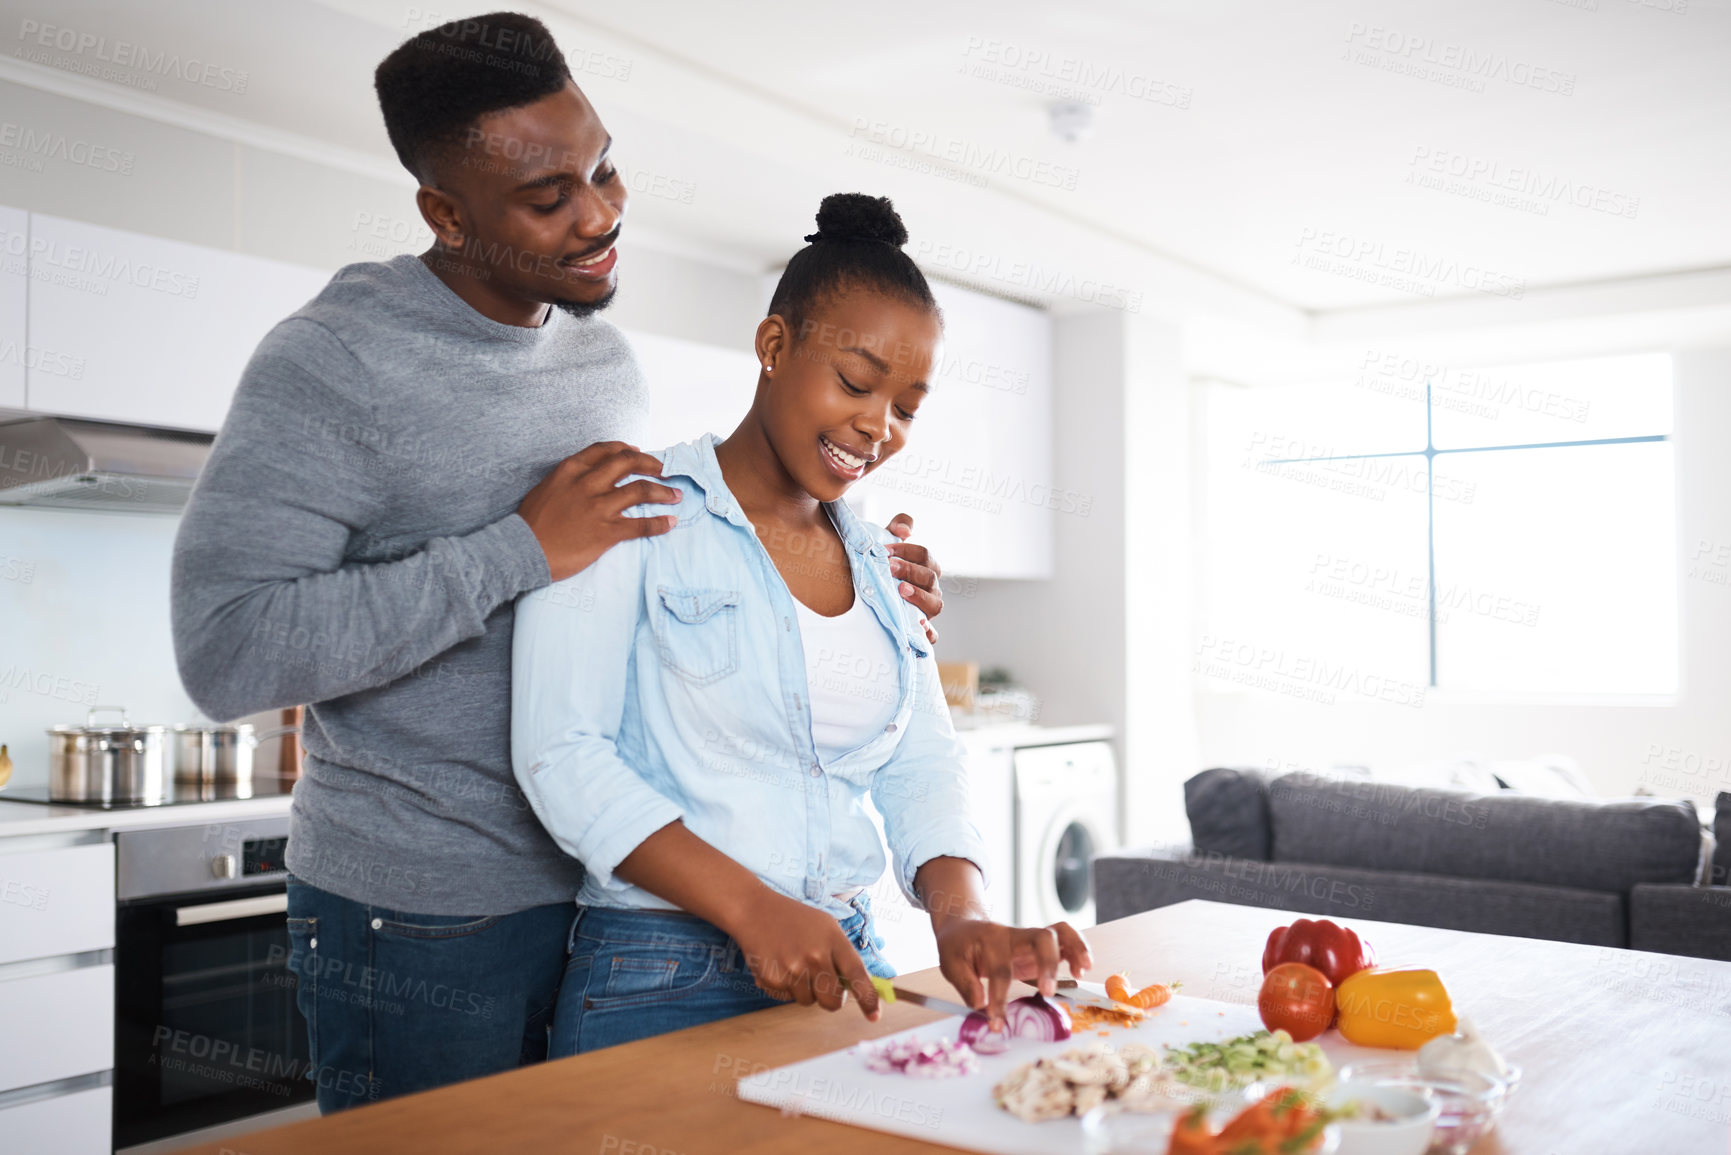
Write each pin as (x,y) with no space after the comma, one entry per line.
(206,1029)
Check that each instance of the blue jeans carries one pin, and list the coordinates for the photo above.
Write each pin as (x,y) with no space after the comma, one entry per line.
(637,973)
(397,1002)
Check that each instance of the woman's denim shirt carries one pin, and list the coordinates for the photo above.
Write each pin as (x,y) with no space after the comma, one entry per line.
(668,682)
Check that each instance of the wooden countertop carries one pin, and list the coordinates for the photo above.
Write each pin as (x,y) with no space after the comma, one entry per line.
(1624,1052)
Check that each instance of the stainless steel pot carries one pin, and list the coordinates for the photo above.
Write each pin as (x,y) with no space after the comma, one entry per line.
(220,755)
(92,763)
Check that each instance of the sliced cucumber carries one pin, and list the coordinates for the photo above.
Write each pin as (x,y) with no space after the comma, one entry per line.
(1247,1059)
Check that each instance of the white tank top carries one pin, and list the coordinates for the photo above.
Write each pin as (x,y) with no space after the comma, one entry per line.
(850,671)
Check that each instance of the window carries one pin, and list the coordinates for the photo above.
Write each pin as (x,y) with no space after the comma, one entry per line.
(1425,526)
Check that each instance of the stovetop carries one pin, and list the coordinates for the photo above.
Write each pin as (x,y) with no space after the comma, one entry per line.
(176,794)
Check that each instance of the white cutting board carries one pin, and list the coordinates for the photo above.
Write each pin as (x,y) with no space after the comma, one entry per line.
(959,1112)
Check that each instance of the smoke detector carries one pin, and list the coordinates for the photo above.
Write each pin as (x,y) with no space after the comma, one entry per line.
(1071,121)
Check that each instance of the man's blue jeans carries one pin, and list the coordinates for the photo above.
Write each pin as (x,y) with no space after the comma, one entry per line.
(637,973)
(397,1002)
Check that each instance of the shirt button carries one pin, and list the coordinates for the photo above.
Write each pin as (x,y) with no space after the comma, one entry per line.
(870,594)
(815,771)
(890,729)
(312,944)
(378,923)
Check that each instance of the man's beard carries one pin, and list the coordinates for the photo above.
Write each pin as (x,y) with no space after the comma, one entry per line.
(587,308)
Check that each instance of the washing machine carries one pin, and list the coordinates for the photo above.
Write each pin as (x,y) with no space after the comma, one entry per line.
(1066,812)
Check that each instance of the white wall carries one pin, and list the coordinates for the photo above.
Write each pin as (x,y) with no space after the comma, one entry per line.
(83,621)
(84,596)
(1063,638)
(1160,748)
(1107,638)
(1677,749)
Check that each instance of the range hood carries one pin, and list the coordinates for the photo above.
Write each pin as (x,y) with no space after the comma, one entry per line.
(58,461)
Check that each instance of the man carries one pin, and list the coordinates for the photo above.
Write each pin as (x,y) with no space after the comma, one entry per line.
(396,468)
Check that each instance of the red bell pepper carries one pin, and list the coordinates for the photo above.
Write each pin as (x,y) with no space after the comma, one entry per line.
(1329,947)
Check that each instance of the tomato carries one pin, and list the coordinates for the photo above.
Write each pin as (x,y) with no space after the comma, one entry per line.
(1297,999)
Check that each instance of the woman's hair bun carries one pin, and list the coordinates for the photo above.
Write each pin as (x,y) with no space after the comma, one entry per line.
(858,217)
(862,250)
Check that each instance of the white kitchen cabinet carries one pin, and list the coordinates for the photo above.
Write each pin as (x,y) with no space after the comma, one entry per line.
(127,327)
(56,902)
(14,275)
(976,474)
(77,1124)
(693,388)
(58,1026)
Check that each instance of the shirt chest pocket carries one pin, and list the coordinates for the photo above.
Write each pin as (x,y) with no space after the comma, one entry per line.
(697,632)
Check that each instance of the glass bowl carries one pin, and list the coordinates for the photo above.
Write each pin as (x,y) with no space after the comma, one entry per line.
(1467,1104)
(1387,1118)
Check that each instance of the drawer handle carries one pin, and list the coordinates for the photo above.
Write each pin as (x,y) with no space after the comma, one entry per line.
(235,908)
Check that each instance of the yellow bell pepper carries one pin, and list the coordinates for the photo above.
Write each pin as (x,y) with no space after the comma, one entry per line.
(1394,1008)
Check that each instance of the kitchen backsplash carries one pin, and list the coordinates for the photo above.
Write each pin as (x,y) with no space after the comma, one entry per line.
(84,621)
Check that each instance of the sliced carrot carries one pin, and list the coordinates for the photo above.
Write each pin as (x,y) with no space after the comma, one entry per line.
(1151,996)
(1282,1120)
(1192,1135)
(1118,989)
(1255,1121)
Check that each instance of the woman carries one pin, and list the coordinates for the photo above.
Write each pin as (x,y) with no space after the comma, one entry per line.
(699,716)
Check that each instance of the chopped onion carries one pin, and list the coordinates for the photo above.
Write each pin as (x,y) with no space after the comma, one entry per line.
(937,1059)
(1025,1018)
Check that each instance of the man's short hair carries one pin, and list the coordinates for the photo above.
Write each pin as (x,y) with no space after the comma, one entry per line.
(435,86)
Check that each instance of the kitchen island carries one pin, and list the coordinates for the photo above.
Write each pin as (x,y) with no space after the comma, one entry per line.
(1623,1052)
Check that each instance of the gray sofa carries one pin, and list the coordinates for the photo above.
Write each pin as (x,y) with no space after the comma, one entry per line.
(1617,873)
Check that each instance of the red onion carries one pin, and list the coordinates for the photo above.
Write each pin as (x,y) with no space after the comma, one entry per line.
(976,1032)
(1035,1018)
(1025,1018)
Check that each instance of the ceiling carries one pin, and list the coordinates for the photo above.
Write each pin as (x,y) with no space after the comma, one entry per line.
(1258,123)
(1263,160)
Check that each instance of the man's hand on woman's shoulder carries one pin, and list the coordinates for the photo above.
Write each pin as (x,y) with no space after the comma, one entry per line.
(919,572)
(577,512)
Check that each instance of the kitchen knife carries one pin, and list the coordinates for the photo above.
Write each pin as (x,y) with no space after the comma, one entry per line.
(931,1002)
(1069,989)
(1091,994)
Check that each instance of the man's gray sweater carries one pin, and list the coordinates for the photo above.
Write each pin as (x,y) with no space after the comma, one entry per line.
(353,545)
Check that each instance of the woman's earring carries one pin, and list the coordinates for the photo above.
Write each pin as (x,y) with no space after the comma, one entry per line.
(768,369)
